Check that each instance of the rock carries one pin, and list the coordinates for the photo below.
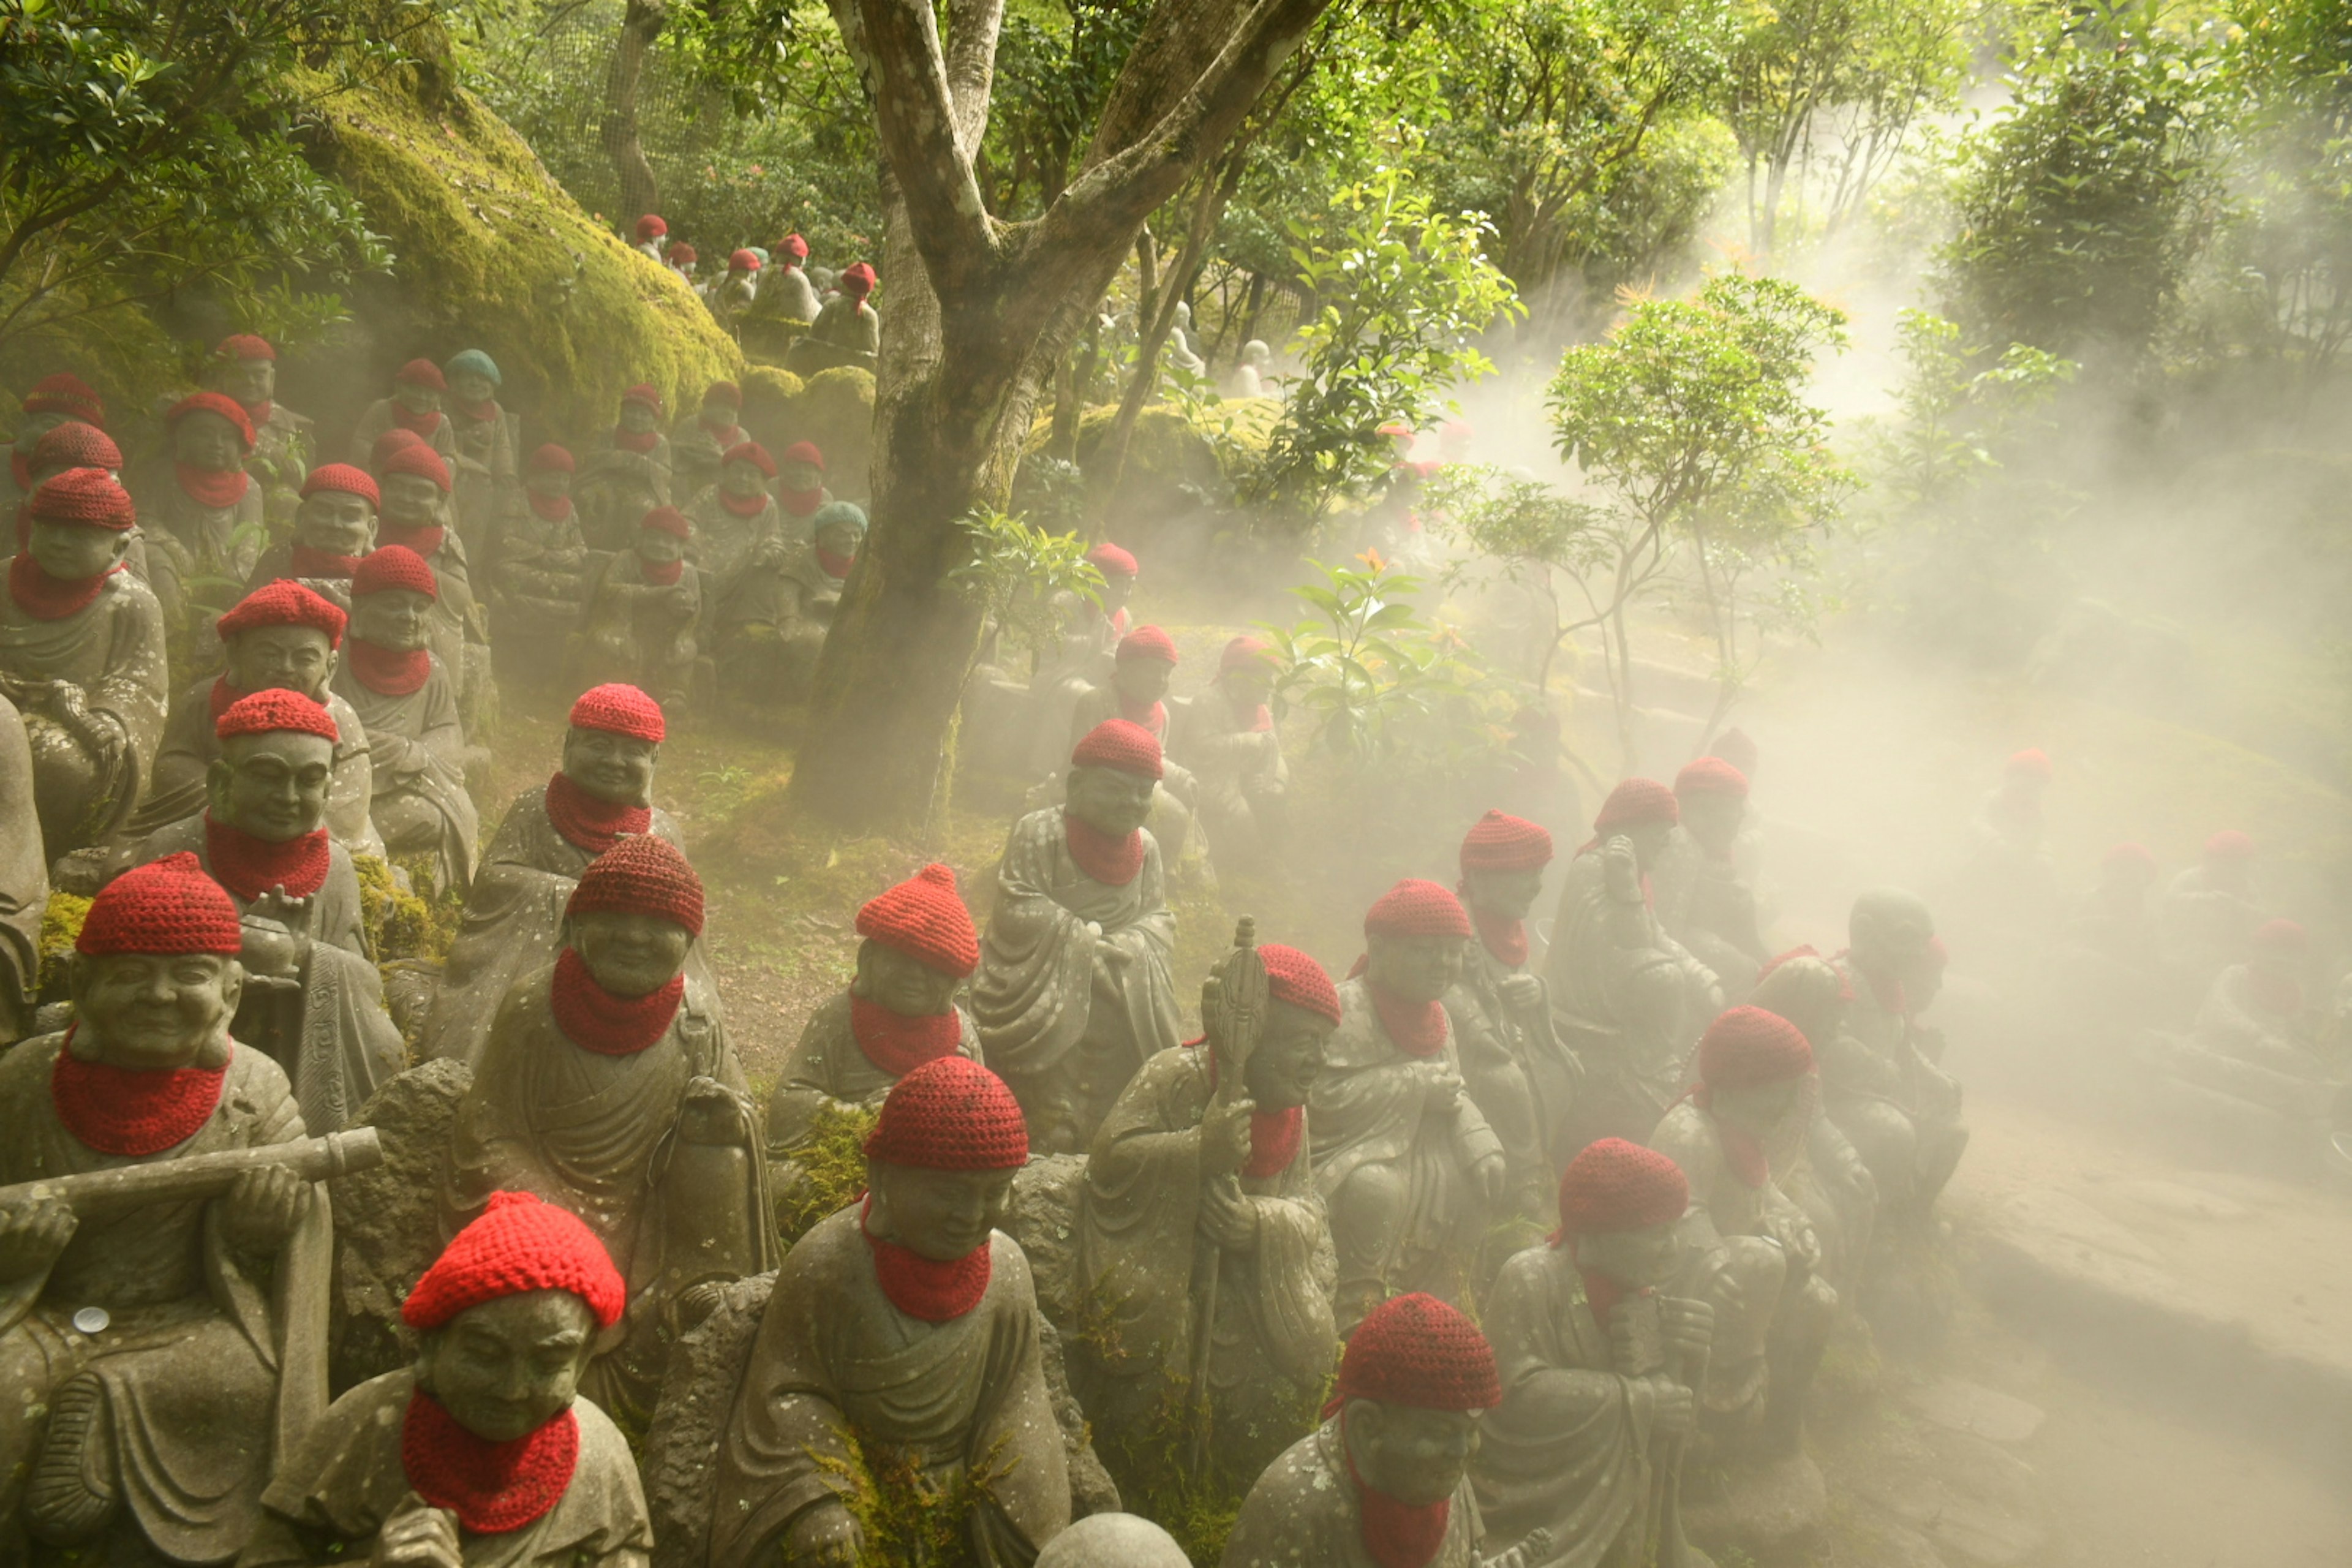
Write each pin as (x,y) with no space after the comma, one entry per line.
(2184,1203)
(1763,1510)
(2059,1218)
(1092,1490)
(1045,1221)
(835,410)
(1112,1541)
(1873,1538)
(698,1394)
(1965,1406)
(1984,1472)
(388,1221)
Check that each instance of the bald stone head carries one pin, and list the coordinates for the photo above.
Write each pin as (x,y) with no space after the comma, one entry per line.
(1113,1541)
(1889,931)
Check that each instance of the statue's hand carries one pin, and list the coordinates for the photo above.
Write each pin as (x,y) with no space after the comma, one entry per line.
(1688,1324)
(1492,1176)
(417,1535)
(1535,1549)
(68,703)
(824,1535)
(33,1235)
(1620,870)
(1227,1216)
(1225,1136)
(1522,993)
(1673,1410)
(263,1208)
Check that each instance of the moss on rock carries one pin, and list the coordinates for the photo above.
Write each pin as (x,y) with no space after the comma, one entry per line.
(835,410)
(61,929)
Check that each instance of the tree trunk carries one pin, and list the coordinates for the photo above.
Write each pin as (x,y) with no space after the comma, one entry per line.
(641,24)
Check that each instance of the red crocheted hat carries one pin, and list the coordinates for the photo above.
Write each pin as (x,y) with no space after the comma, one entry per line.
(246,345)
(2227,845)
(399,438)
(857,280)
(923,917)
(75,444)
(166,906)
(1636,803)
(421,373)
(794,245)
(1417,1351)
(284,602)
(1711,775)
(517,1244)
(394,566)
(641,875)
(804,452)
(742,261)
(1745,1047)
(1416,907)
(416,458)
(751,452)
(67,394)
(667,520)
(2033,763)
(725,392)
(90,498)
(651,227)
(949,1114)
(644,394)
(1501,842)
(1245,653)
(1108,558)
(1147,642)
(344,477)
(219,403)
(1291,977)
(550,459)
(1117,743)
(274,711)
(2279,938)
(621,709)
(1615,1186)
(683,254)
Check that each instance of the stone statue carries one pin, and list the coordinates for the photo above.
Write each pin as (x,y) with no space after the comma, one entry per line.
(408,699)
(845,331)
(772,623)
(1519,1074)
(537,572)
(1250,375)
(608,1085)
(2003,894)
(1227,738)
(1086,658)
(650,232)
(74,445)
(415,405)
(278,635)
(334,528)
(698,444)
(313,999)
(1178,356)
(636,444)
(2265,1078)
(2208,911)
(613,491)
(1075,992)
(800,485)
(482,1451)
(487,459)
(1626,997)
(1598,1367)
(154,1355)
(1199,1216)
(55,400)
(24,881)
(202,519)
(81,658)
(643,612)
(1701,898)
(415,488)
(730,298)
(785,293)
(1113,1541)
(1830,1184)
(1141,669)
(900,1348)
(245,368)
(1408,1167)
(736,523)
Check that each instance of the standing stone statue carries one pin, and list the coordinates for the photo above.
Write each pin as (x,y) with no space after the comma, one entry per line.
(24,881)
(55,400)
(539,569)
(415,486)
(334,528)
(736,521)
(1227,738)
(1598,1366)
(482,1451)
(1701,897)
(1075,992)
(608,1085)
(245,368)
(81,658)
(202,519)
(415,405)
(1408,1167)
(698,445)
(900,1349)
(845,331)
(485,458)
(150,1353)
(643,613)
(1250,375)
(1141,669)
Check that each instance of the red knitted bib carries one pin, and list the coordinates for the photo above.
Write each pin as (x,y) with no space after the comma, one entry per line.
(1110,861)
(425,540)
(752,505)
(214,487)
(640,444)
(1273,1141)
(388,671)
(127,1112)
(1153,717)
(259,413)
(801,503)
(589,822)
(47,599)
(250,867)
(1397,1534)
(924,1287)
(1506,938)
(550,508)
(1417,1027)
(305,562)
(596,1020)
(492,1487)
(660,573)
(835,567)
(897,1044)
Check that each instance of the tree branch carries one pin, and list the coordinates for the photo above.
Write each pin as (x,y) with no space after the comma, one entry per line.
(972,28)
(917,115)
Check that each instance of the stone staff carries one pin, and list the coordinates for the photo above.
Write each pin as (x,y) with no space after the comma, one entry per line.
(1236,1000)
(96,1193)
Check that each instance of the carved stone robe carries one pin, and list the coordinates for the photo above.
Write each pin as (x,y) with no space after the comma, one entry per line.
(112,648)
(1304,1513)
(771,624)
(416,760)
(1522,1080)
(1240,780)
(486,473)
(641,632)
(24,880)
(1705,904)
(188,541)
(826,1067)
(176,787)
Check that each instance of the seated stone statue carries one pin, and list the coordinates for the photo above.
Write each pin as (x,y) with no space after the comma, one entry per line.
(202,516)
(1701,898)
(314,1000)
(1384,1482)
(608,1085)
(772,623)
(539,569)
(732,296)
(1597,1366)
(142,1348)
(898,1013)
(1141,667)
(636,445)
(1225,737)
(486,438)
(1408,1167)
(415,405)
(24,881)
(244,368)
(1830,1184)
(2266,1077)
(845,331)
(1519,1074)
(2208,911)
(1086,657)
(800,485)
(1075,992)
(785,292)
(81,657)
(900,1350)
(1250,377)
(698,444)
(640,625)
(53,400)
(74,445)
(416,506)
(482,1450)
(408,699)
(1199,1215)
(736,520)
(278,635)
(1627,999)
(334,528)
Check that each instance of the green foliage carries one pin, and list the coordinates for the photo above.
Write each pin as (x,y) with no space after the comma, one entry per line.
(1535,536)
(1953,419)
(831,1171)
(61,929)
(905,1515)
(1196,1503)
(418,921)
(1055,64)
(1368,666)
(1017,572)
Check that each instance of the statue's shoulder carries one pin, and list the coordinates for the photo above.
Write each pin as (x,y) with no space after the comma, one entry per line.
(352,730)
(1686,1136)
(1358,1041)
(126,593)
(25,1066)
(1040,828)
(255,1084)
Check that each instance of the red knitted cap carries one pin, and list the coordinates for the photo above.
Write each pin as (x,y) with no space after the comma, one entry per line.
(245,345)
(857,280)
(651,227)
(421,373)
(68,394)
(751,452)
(1147,642)
(1247,652)
(284,602)
(399,438)
(725,392)
(75,444)
(805,452)
(1417,1351)
(166,906)
(517,1244)
(416,458)
(1416,907)
(923,917)
(1745,1047)
(1615,1186)
(90,498)
(219,403)
(550,459)
(684,255)
(623,709)
(394,566)
(1108,558)
(1501,842)
(274,711)
(344,477)
(1291,977)
(1117,743)
(2227,845)
(794,245)
(641,875)
(742,261)
(1711,775)
(2280,937)
(2034,763)
(666,520)
(949,1114)
(644,393)
(1636,803)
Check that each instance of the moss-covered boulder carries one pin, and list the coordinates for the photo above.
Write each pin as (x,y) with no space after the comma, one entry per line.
(835,410)
(769,392)
(1174,459)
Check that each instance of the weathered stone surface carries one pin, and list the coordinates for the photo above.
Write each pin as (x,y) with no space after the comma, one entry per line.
(681,1446)
(1091,1489)
(1763,1510)
(2180,1202)
(1045,1221)
(387,1221)
(1965,1406)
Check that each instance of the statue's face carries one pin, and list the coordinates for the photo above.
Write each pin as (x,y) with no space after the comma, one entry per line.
(1507,895)
(1890,935)
(1142,680)
(614,768)
(1761,1110)
(336,522)
(742,479)
(902,982)
(1117,590)
(409,499)
(1416,968)
(250,380)
(799,476)
(291,659)
(939,1215)
(1649,842)
(1640,1259)
(472,386)
(207,440)
(31,427)
(1282,1068)
(154,1011)
(1247,687)
(72,550)
(638,418)
(550,481)
(2231,873)
(1109,800)
(509,1366)
(718,415)
(659,546)
(838,538)
(273,786)
(414,399)
(1713,819)
(631,953)
(396,618)
(1415,1456)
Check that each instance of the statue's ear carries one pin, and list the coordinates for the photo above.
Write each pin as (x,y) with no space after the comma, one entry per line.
(123,545)
(335,662)
(217,774)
